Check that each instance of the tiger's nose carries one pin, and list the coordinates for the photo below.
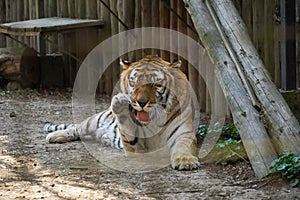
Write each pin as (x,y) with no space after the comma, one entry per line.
(142,102)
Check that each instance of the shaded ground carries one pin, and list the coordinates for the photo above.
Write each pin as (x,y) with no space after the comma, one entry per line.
(30,168)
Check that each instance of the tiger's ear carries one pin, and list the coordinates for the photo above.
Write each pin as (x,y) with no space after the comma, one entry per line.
(175,65)
(124,64)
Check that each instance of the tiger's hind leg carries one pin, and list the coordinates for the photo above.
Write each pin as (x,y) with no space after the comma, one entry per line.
(74,132)
(62,136)
(102,127)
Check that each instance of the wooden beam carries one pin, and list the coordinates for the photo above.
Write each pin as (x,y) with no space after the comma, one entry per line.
(282,125)
(288,44)
(247,119)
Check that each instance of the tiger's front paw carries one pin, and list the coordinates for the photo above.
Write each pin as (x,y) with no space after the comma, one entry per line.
(120,104)
(184,161)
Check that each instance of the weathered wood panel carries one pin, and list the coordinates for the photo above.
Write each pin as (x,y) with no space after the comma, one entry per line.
(259,16)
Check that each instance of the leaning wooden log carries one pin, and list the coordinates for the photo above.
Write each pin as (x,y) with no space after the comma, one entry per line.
(282,125)
(19,65)
(247,119)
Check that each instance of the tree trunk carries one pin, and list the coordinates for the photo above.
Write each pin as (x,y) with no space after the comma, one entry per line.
(282,125)
(247,119)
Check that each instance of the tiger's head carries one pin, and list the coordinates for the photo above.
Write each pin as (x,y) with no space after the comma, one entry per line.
(151,85)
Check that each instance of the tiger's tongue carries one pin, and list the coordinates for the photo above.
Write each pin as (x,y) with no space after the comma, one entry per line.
(143,116)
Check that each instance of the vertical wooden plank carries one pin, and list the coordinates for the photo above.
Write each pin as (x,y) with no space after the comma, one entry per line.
(20,17)
(33,15)
(138,24)
(277,70)
(276,22)
(26,17)
(105,33)
(26,9)
(71,8)
(193,73)
(14,18)
(20,10)
(126,14)
(258,28)
(155,21)
(2,20)
(174,26)
(8,18)
(68,41)
(47,9)
(13,13)
(40,5)
(62,6)
(164,23)
(269,10)
(298,42)
(41,40)
(81,37)
(146,15)
(91,9)
(91,36)
(52,5)
(288,44)
(51,8)
(112,76)
(7,10)
(182,28)
(247,15)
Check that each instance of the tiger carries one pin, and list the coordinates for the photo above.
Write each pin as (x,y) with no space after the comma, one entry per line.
(153,110)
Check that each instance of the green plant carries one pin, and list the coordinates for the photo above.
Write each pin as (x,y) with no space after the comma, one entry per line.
(229,147)
(229,133)
(288,165)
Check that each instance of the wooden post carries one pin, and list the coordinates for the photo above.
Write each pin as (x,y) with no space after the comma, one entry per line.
(164,23)
(288,44)
(255,138)
(2,20)
(268,44)
(41,14)
(146,20)
(138,24)
(282,125)
(115,72)
(174,26)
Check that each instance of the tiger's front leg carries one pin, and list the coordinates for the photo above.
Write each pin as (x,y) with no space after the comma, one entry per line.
(183,151)
(120,107)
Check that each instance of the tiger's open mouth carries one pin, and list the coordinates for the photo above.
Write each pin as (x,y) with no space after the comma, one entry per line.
(143,116)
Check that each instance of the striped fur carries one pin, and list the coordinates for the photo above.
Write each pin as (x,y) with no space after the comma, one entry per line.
(153,111)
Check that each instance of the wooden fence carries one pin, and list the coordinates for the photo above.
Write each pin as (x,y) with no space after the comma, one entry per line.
(261,18)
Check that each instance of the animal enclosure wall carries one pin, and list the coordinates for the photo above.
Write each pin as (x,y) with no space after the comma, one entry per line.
(261,18)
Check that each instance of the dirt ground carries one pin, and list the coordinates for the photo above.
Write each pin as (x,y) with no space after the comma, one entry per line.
(30,168)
